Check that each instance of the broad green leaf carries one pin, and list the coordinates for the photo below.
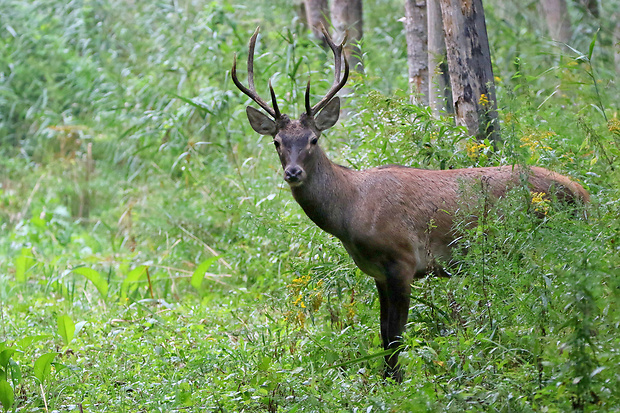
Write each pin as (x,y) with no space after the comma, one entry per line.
(16,372)
(38,222)
(94,277)
(6,395)
(20,269)
(22,264)
(66,328)
(43,366)
(132,278)
(201,270)
(265,363)
(5,356)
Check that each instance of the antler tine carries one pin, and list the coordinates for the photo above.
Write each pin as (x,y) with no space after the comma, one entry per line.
(251,91)
(338,83)
(308,107)
(336,49)
(251,59)
(274,102)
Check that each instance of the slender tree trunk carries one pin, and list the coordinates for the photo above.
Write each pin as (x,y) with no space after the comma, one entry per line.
(347,16)
(469,63)
(439,94)
(417,50)
(592,7)
(616,40)
(558,22)
(317,12)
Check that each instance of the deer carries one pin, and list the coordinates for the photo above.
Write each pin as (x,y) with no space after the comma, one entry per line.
(396,222)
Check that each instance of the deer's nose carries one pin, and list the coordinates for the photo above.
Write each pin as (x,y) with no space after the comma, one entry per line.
(292,173)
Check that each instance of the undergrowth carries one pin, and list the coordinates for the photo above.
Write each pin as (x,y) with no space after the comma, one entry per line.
(152,259)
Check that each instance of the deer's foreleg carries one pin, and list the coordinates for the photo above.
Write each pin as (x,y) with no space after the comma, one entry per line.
(394,299)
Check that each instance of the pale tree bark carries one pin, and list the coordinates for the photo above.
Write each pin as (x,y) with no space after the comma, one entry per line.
(417,51)
(558,22)
(439,95)
(469,64)
(616,40)
(317,13)
(347,16)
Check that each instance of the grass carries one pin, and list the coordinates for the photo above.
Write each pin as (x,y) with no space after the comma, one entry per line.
(153,259)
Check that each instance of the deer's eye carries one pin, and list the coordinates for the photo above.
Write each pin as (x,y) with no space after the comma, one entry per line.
(276,144)
(314,140)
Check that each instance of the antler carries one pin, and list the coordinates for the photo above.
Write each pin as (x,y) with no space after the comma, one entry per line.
(338,83)
(251,91)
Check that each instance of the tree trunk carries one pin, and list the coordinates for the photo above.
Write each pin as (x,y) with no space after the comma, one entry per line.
(558,22)
(417,50)
(469,64)
(317,12)
(616,42)
(347,16)
(439,95)
(592,7)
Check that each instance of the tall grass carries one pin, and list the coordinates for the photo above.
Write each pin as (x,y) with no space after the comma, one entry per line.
(149,244)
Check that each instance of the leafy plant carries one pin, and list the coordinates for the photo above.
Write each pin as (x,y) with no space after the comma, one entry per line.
(127,166)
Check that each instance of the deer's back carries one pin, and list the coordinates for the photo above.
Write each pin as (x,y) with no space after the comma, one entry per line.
(406,213)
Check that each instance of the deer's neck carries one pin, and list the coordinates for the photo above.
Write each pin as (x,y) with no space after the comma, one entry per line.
(327,195)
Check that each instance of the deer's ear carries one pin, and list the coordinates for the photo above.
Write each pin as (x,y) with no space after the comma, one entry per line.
(329,115)
(260,122)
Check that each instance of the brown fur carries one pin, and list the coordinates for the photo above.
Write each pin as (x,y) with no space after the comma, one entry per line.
(404,214)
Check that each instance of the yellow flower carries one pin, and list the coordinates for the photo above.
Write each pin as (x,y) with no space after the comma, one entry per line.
(473,149)
(299,283)
(296,317)
(484,100)
(540,203)
(614,125)
(536,140)
(350,311)
(299,301)
(301,319)
(303,280)
(316,300)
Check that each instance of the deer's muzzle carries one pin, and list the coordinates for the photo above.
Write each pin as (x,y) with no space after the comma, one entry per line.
(294,175)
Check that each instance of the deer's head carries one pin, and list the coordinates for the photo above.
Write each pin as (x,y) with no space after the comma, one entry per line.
(295,139)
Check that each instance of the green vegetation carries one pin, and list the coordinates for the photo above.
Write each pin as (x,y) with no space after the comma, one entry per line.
(152,259)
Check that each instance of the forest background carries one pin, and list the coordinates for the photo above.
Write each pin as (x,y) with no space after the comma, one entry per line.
(153,259)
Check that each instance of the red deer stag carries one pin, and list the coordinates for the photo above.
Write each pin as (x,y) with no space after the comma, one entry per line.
(395,222)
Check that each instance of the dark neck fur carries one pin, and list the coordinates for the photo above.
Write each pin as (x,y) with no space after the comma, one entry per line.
(326,194)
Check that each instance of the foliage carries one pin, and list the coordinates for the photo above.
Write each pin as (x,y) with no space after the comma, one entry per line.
(153,259)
